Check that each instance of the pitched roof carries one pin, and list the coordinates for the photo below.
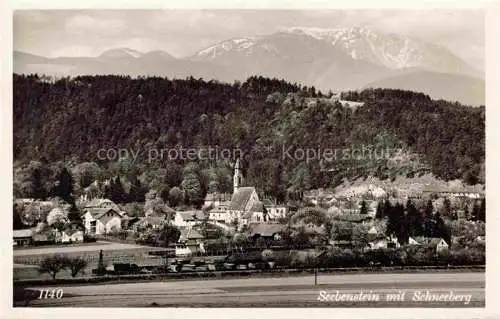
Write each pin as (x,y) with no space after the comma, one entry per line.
(192,215)
(70,228)
(434,241)
(153,220)
(20,233)
(267,202)
(353,217)
(190,233)
(266,230)
(257,207)
(99,213)
(101,203)
(418,240)
(163,211)
(71,232)
(167,209)
(218,211)
(241,197)
(42,236)
(217,196)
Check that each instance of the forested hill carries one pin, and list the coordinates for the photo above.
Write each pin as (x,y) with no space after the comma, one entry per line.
(71,119)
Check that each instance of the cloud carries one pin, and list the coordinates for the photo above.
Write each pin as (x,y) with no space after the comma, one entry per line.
(86,23)
(183,32)
(195,21)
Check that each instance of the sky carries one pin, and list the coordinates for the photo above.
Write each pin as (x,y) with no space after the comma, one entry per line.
(53,33)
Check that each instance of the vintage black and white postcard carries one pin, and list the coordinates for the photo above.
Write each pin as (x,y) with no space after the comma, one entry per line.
(249,158)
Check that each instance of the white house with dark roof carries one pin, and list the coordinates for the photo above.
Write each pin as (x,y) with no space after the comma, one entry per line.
(273,210)
(23,237)
(70,235)
(152,221)
(221,216)
(100,203)
(267,230)
(100,221)
(188,218)
(216,199)
(439,244)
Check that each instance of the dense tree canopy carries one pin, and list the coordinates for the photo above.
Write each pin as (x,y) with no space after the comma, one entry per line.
(83,124)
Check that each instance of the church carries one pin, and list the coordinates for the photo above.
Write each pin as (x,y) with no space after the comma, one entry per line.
(244,207)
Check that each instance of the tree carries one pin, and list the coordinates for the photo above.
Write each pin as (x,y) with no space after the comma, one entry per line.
(175,196)
(163,192)
(380,211)
(342,231)
(363,209)
(116,191)
(395,220)
(191,186)
(476,211)
(360,236)
(387,208)
(173,175)
(53,265)
(429,209)
(38,189)
(482,211)
(277,188)
(466,213)
(267,255)
(16,214)
(137,191)
(75,265)
(56,217)
(153,203)
(134,209)
(446,210)
(74,214)
(168,235)
(313,215)
(64,188)
(86,173)
(441,230)
(414,219)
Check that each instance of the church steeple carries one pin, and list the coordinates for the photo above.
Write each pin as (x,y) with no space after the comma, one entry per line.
(237,176)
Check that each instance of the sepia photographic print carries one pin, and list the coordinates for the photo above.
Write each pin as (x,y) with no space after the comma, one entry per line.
(268,158)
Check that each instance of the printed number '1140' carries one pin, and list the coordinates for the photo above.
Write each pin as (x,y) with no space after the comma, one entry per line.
(50,294)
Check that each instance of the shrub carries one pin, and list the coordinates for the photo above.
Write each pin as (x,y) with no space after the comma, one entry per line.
(52,265)
(75,265)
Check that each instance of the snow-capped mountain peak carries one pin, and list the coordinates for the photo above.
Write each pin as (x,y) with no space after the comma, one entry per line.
(121,53)
(237,44)
(389,50)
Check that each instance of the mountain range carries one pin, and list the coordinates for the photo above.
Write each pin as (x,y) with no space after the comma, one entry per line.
(329,59)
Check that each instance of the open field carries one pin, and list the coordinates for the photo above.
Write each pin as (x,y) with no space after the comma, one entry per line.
(101,245)
(26,260)
(270,292)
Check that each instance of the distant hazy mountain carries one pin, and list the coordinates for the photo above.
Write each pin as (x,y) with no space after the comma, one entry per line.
(391,50)
(121,53)
(295,57)
(451,87)
(328,59)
